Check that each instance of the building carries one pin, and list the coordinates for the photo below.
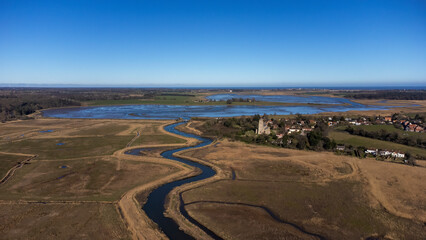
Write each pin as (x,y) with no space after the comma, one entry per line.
(340,148)
(371,151)
(398,155)
(263,128)
(293,130)
(385,153)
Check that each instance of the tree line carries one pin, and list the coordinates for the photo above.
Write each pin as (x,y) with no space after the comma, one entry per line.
(389,94)
(384,135)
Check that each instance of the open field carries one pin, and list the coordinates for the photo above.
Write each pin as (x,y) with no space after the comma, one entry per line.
(90,179)
(348,139)
(157,138)
(282,193)
(81,180)
(61,221)
(64,148)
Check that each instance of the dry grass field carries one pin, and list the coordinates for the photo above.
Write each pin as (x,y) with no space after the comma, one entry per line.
(274,193)
(61,221)
(80,185)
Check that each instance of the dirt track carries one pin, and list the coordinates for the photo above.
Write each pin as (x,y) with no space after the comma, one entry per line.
(11,171)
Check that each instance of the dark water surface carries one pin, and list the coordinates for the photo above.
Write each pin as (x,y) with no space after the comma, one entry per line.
(154,207)
(184,111)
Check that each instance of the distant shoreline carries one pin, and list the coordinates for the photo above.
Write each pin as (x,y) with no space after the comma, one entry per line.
(81,86)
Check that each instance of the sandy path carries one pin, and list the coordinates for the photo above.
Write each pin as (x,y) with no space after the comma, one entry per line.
(11,171)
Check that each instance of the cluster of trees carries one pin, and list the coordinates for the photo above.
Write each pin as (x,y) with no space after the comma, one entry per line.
(388,136)
(244,128)
(17,103)
(390,94)
(20,107)
(230,101)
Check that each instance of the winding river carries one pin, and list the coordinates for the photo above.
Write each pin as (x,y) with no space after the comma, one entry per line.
(154,207)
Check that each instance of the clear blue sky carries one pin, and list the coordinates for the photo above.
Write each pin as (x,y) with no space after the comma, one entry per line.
(213,43)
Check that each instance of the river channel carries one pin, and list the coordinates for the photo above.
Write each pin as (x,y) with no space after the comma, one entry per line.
(154,207)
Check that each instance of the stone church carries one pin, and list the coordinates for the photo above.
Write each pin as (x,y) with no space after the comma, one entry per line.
(263,128)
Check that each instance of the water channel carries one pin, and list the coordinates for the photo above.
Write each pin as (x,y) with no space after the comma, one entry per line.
(154,207)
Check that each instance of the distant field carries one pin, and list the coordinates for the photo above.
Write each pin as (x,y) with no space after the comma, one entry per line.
(167,100)
(348,139)
(184,100)
(107,129)
(157,139)
(48,148)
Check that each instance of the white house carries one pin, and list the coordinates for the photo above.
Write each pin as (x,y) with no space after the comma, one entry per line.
(371,151)
(398,155)
(385,153)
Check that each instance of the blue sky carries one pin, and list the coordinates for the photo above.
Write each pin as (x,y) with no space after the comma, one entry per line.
(213,43)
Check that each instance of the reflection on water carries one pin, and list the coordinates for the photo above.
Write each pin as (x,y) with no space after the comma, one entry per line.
(177,111)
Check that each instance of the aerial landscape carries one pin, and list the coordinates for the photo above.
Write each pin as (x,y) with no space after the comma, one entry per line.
(213,120)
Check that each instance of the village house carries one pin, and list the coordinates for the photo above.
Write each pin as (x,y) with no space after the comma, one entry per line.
(286,128)
(419,129)
(305,130)
(293,130)
(385,153)
(280,135)
(398,155)
(354,123)
(371,151)
(340,147)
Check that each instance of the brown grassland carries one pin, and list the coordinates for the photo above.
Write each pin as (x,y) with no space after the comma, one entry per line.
(273,193)
(81,185)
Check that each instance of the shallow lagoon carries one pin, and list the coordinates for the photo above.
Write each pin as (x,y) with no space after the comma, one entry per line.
(284,98)
(183,111)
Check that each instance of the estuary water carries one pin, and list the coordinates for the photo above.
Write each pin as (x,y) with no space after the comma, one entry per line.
(188,111)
